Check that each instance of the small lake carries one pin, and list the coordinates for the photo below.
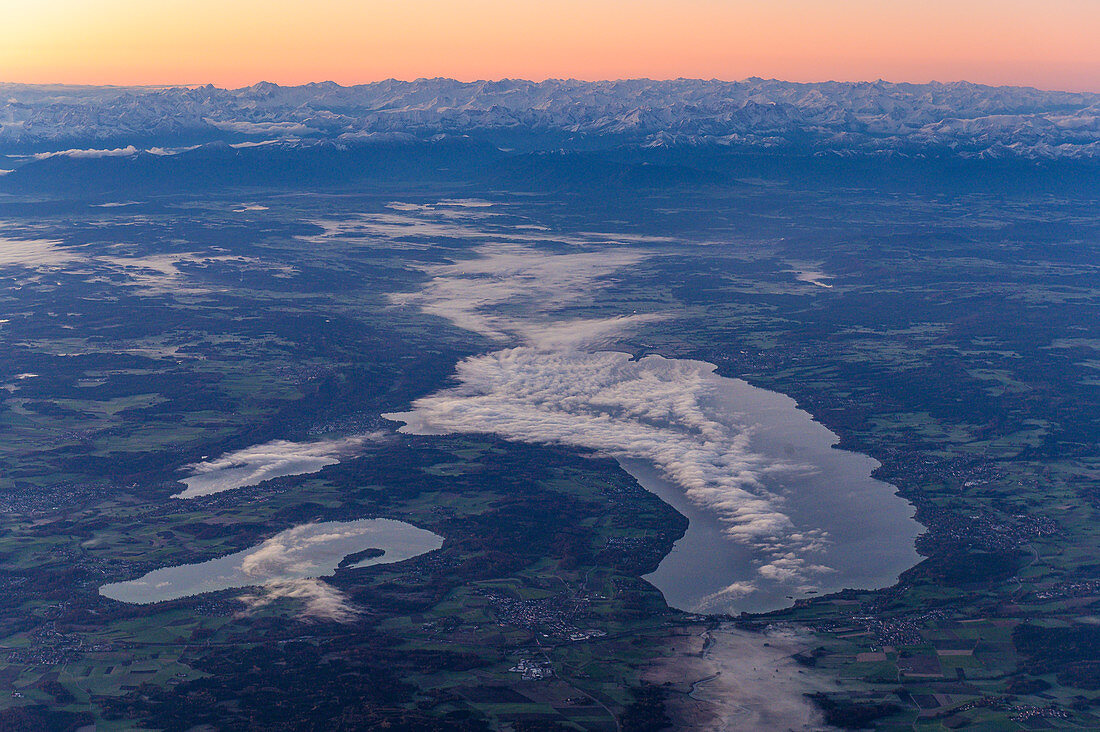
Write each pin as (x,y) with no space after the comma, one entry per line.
(306,551)
(258,463)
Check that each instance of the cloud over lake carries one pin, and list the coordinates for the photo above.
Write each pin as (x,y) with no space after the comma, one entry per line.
(769,510)
(257,463)
(654,409)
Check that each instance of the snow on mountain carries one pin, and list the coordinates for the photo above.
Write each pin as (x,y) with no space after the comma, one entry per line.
(852,118)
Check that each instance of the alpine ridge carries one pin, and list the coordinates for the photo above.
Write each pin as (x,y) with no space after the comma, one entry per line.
(865,118)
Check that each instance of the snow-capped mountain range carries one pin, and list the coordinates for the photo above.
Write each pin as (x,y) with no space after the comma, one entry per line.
(831,117)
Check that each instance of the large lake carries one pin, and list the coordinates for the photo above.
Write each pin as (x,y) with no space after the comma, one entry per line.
(306,551)
(871,531)
(776,512)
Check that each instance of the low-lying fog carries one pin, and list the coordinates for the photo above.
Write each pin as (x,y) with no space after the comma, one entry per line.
(775,512)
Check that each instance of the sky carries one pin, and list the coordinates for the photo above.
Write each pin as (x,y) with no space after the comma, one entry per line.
(1051,44)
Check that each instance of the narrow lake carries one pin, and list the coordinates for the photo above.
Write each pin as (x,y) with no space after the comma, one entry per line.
(306,551)
(257,463)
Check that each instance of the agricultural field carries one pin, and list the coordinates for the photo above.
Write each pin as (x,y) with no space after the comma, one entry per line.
(950,336)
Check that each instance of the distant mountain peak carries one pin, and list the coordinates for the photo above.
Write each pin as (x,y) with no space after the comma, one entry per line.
(873,117)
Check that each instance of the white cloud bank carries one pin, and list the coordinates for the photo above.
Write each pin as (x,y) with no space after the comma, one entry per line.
(557,380)
(320,600)
(511,290)
(557,389)
(257,463)
(260,128)
(288,564)
(160,274)
(118,152)
(654,409)
(35,253)
(154,274)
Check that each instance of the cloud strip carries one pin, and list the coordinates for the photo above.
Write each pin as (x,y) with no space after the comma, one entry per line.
(35,253)
(511,290)
(257,463)
(118,152)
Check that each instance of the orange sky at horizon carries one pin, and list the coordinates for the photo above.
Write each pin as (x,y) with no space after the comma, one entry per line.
(1051,44)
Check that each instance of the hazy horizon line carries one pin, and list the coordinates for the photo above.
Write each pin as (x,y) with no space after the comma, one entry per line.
(199,85)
